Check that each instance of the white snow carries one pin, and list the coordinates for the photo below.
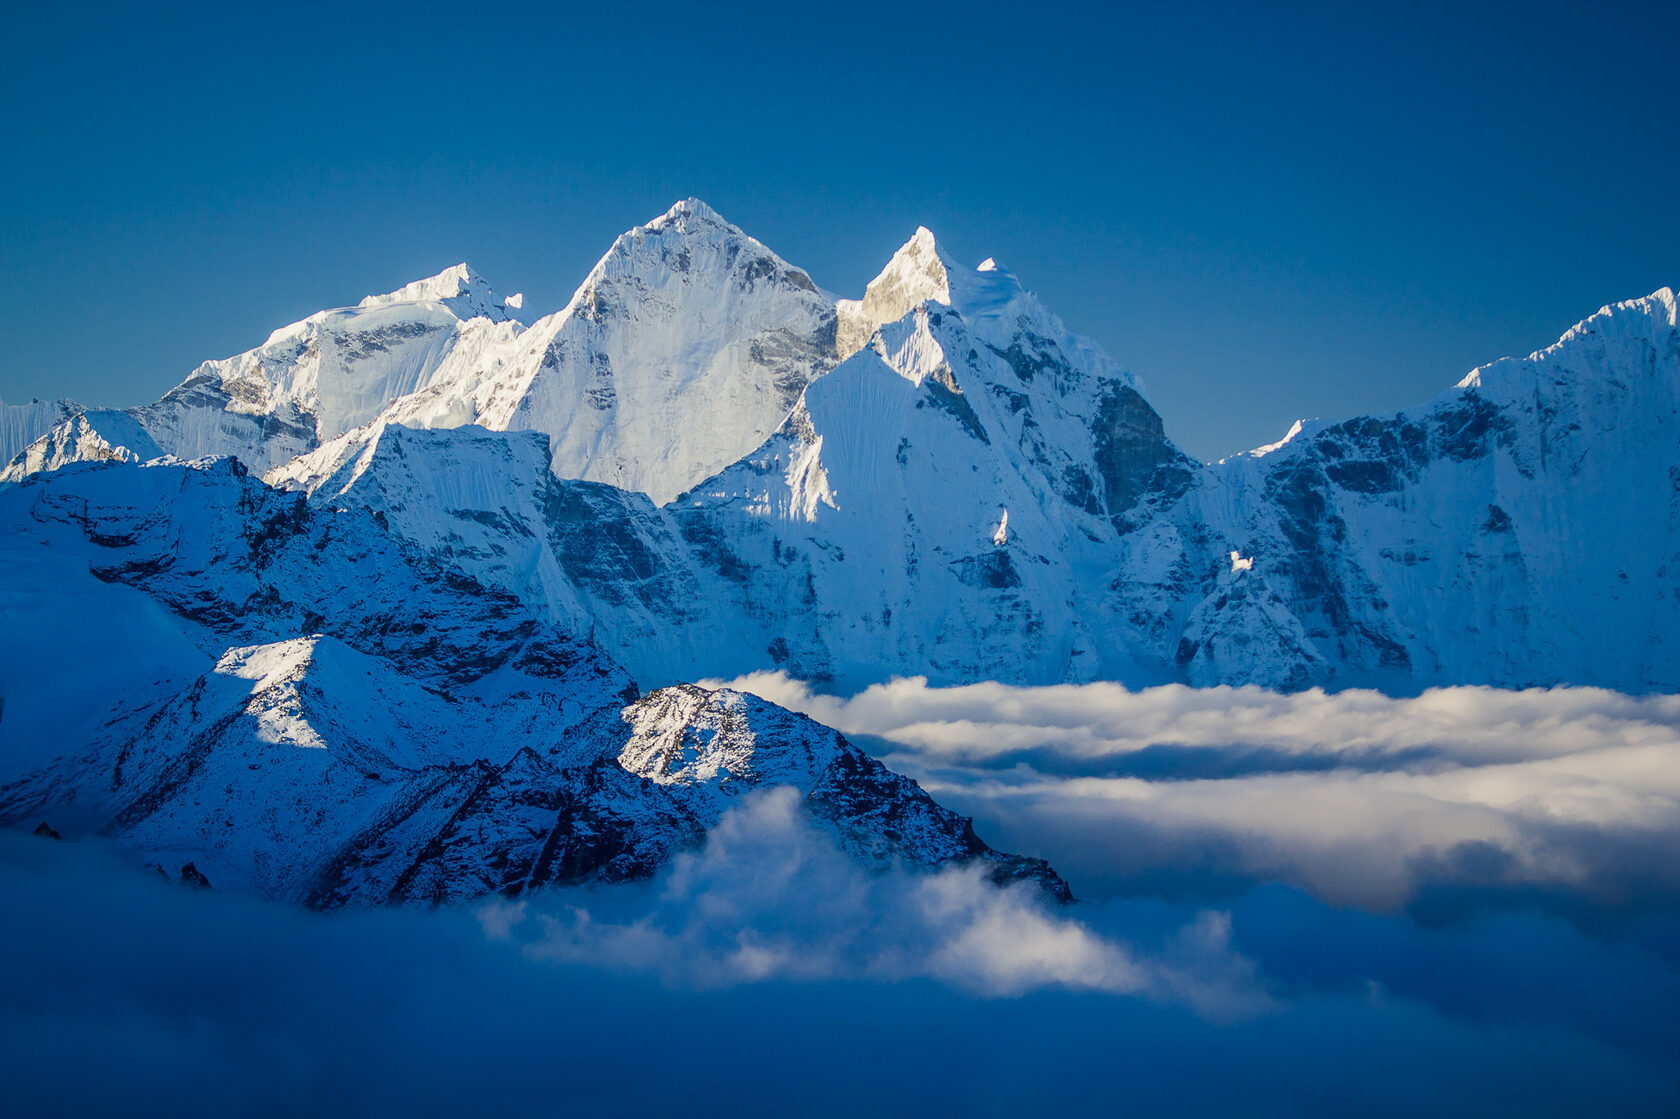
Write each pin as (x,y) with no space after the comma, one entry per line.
(777,512)
(686,345)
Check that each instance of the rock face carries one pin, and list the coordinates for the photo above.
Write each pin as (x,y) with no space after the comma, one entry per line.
(328,717)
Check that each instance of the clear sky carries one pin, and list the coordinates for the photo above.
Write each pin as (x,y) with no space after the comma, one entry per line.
(1266,212)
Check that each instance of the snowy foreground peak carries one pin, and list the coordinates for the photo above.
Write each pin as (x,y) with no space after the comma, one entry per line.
(299,705)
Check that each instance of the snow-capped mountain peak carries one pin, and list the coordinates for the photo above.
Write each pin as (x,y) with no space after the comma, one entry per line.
(22,424)
(682,350)
(459,288)
(689,214)
(310,382)
(916,274)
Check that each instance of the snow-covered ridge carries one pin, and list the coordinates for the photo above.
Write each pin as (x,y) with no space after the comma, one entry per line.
(310,381)
(691,473)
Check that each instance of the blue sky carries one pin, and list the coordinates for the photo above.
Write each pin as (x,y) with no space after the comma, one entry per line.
(1266,211)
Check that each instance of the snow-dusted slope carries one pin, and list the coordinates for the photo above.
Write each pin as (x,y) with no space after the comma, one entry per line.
(303,706)
(311,381)
(683,349)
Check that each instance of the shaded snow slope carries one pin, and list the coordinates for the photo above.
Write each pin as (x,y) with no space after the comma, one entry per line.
(302,704)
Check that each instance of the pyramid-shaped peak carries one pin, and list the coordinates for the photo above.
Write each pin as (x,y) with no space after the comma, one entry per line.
(690,212)
(689,240)
(916,274)
(921,241)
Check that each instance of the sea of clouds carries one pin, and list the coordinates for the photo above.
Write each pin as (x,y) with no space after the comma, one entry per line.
(1465,902)
(1459,798)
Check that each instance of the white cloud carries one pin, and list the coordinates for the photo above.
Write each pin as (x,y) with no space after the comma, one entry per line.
(129,995)
(1359,797)
(769,897)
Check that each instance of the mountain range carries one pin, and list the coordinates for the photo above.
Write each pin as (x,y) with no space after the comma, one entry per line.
(407,603)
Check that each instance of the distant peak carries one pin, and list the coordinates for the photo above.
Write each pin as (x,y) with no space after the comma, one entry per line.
(916,274)
(687,240)
(458,287)
(1664,298)
(452,282)
(689,211)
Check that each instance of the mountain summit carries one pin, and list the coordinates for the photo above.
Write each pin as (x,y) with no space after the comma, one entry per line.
(711,466)
(684,347)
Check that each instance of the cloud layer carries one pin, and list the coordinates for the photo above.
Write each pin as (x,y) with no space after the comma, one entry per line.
(746,981)
(1568,797)
(1346,904)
